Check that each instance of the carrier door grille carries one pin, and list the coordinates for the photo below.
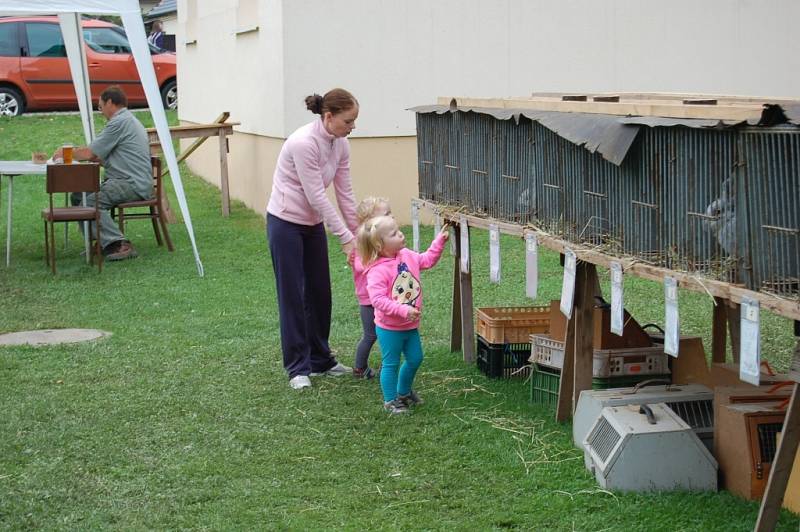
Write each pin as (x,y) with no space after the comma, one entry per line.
(768,440)
(696,414)
(603,439)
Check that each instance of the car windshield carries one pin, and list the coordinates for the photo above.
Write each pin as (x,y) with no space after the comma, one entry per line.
(111,40)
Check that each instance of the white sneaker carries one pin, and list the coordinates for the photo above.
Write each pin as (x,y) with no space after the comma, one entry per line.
(336,371)
(298,382)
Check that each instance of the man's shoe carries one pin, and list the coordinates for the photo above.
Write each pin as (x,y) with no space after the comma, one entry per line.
(336,371)
(410,399)
(395,407)
(298,382)
(124,250)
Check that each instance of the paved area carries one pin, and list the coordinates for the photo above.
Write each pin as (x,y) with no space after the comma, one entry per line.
(51,336)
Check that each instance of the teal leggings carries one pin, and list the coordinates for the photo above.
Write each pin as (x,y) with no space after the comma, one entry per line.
(393,343)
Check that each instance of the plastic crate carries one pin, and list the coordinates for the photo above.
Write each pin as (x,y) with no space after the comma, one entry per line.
(629,361)
(545,382)
(511,325)
(503,360)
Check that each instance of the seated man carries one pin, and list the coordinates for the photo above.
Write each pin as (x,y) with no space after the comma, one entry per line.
(123,149)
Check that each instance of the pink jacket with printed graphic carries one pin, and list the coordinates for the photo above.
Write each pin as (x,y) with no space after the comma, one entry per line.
(394,288)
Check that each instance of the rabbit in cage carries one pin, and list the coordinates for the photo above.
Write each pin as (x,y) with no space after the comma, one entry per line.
(723,211)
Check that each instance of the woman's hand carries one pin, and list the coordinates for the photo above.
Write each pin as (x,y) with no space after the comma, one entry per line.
(349,249)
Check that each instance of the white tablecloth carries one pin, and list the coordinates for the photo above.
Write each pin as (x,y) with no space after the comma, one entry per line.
(10,169)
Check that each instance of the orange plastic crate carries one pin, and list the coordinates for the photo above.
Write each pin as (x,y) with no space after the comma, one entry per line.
(512,325)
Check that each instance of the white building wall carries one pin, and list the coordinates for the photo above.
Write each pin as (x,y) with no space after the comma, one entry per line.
(395,54)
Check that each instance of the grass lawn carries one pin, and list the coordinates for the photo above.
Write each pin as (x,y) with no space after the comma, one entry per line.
(183,419)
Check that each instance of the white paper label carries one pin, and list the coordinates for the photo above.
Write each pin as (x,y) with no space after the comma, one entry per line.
(415,224)
(531,265)
(671,320)
(568,286)
(617,304)
(464,245)
(494,253)
(750,342)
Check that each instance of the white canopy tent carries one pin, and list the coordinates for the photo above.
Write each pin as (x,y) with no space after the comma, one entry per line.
(69,14)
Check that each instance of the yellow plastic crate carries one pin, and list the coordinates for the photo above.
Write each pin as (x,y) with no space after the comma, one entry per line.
(511,325)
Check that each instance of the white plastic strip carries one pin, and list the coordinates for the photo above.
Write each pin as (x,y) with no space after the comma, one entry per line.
(617,303)
(671,320)
(494,253)
(464,245)
(750,342)
(531,265)
(568,286)
(415,224)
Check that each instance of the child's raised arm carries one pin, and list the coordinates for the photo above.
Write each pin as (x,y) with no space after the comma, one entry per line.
(429,258)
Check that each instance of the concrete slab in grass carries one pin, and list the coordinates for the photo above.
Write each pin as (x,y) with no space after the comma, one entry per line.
(51,336)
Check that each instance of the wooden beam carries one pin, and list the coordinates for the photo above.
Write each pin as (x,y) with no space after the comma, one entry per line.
(690,281)
(587,286)
(658,108)
(467,323)
(455,315)
(719,330)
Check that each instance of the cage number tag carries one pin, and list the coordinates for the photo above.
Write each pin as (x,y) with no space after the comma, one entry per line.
(750,342)
(464,245)
(568,286)
(671,320)
(531,265)
(494,253)
(415,224)
(617,305)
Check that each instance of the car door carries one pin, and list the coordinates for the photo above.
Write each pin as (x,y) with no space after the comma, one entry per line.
(110,62)
(44,65)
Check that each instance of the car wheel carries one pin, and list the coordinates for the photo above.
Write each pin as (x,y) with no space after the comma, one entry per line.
(169,95)
(11,102)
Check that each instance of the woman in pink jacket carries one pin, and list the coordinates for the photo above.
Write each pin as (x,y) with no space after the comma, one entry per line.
(312,158)
(396,295)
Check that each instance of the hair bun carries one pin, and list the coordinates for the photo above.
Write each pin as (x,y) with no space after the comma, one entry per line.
(314,104)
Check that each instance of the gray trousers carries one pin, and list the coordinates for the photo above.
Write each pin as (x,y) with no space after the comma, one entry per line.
(112,193)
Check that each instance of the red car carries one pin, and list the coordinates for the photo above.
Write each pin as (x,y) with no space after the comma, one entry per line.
(34,71)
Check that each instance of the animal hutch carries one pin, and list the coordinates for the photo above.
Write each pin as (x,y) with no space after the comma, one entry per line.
(705,190)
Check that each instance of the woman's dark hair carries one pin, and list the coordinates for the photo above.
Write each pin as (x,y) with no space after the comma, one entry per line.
(335,101)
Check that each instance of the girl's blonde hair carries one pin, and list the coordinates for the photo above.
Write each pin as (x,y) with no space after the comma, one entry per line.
(369,239)
(367,207)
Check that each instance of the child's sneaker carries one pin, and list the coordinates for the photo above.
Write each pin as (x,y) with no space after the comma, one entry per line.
(363,373)
(411,399)
(395,407)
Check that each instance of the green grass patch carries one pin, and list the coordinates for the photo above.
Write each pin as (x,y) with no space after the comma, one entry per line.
(183,419)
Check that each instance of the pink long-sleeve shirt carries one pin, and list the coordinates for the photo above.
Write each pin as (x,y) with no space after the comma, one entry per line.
(360,282)
(310,160)
(394,287)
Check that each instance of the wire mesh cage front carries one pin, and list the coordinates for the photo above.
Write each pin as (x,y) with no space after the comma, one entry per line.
(720,202)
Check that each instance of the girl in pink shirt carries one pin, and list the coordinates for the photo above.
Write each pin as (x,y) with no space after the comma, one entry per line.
(368,208)
(396,295)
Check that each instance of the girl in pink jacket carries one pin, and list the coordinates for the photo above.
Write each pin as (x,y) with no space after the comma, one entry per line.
(396,295)
(369,207)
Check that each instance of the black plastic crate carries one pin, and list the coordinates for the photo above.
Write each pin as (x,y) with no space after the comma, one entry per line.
(507,361)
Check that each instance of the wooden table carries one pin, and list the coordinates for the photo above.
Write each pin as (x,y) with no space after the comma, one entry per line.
(217,129)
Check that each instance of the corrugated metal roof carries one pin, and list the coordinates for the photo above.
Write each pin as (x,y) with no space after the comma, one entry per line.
(612,135)
(163,8)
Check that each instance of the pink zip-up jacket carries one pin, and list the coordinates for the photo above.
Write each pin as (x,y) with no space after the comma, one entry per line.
(360,281)
(394,287)
(310,160)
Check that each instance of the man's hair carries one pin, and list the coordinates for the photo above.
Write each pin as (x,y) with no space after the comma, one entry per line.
(114,95)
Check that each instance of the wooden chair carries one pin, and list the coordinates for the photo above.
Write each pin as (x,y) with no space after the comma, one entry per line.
(155,213)
(70,178)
